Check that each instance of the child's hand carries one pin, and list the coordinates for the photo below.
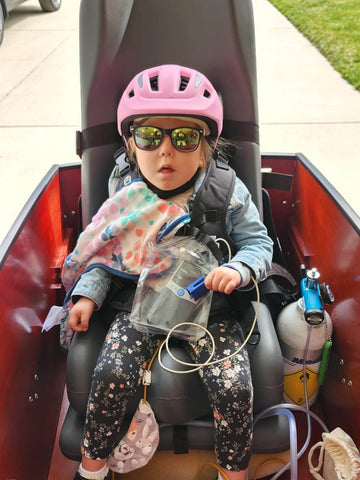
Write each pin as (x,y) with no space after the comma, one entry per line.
(223,279)
(80,314)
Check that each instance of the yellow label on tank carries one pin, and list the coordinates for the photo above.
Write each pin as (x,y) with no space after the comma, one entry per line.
(294,384)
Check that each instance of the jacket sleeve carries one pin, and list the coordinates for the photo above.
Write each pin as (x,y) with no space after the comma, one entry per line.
(254,246)
(93,284)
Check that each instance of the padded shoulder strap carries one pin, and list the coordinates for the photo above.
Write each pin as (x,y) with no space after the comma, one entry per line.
(212,200)
(122,174)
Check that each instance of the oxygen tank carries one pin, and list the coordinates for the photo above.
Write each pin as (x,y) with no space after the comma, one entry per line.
(293,324)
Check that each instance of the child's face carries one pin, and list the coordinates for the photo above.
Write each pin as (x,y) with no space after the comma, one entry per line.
(166,167)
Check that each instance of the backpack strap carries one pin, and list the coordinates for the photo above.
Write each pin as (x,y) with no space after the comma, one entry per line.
(188,230)
(211,202)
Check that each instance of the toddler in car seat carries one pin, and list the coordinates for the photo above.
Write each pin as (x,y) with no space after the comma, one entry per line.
(170,118)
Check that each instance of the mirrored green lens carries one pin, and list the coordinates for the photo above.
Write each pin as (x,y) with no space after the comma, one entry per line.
(148,138)
(185,138)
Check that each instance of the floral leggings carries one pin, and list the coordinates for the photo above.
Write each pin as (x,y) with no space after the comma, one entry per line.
(118,376)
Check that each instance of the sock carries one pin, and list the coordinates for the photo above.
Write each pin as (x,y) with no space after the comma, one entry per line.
(99,475)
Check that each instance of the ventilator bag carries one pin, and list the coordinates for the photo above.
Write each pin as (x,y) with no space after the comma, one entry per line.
(162,300)
(338,457)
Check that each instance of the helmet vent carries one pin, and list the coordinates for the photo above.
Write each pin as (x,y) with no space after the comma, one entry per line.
(207,94)
(154,84)
(184,82)
(131,94)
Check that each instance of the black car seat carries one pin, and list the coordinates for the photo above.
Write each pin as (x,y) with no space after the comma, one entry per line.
(119,38)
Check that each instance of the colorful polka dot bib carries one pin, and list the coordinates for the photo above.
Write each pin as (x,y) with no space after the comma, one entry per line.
(118,236)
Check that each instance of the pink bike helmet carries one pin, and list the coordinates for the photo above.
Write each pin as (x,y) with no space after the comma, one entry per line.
(170,90)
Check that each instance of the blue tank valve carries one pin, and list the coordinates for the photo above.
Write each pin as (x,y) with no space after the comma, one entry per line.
(310,291)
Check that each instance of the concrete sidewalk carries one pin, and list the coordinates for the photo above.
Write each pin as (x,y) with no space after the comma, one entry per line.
(39,100)
(304,104)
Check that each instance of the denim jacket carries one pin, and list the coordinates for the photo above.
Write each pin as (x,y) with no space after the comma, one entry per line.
(244,227)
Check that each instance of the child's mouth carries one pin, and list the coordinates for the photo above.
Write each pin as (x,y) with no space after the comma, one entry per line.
(166,169)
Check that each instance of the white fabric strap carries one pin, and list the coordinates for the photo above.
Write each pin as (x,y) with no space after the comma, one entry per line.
(314,470)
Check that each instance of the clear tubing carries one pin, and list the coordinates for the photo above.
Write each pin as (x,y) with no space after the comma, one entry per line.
(306,410)
(290,406)
(299,408)
(279,410)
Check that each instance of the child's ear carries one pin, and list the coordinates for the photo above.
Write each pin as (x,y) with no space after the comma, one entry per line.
(131,144)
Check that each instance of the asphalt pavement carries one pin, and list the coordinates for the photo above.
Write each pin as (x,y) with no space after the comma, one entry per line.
(304,104)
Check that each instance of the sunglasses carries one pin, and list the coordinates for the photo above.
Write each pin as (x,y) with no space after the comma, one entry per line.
(184,139)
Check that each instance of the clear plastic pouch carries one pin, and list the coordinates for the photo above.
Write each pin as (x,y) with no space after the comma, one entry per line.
(161,300)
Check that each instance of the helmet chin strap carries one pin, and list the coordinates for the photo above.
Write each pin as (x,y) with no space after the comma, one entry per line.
(165,194)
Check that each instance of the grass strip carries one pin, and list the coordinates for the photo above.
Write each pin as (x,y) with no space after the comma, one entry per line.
(333,27)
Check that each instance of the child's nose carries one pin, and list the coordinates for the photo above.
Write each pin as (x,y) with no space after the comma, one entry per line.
(166,147)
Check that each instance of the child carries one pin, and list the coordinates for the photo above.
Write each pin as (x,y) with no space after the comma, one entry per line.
(170,118)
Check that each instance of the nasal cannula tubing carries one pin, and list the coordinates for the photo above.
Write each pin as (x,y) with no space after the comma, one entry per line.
(208,362)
